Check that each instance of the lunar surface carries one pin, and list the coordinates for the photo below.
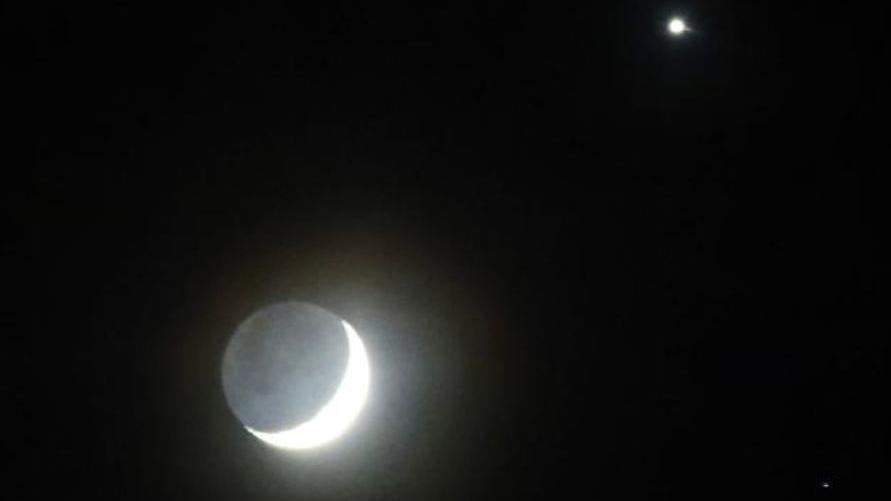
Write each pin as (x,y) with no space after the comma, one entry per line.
(295,375)
(677,26)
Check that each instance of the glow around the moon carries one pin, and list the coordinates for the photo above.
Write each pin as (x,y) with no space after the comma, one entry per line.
(677,26)
(339,413)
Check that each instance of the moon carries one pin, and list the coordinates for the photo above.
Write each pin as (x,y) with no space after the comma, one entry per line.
(677,26)
(296,375)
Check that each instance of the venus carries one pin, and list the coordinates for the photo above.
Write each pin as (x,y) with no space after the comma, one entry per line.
(295,375)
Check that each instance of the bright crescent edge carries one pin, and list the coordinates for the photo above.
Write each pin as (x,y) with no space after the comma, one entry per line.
(335,417)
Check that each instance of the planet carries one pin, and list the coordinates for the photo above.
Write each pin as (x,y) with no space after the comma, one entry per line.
(295,375)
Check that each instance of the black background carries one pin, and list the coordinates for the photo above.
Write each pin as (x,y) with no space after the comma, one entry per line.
(589,260)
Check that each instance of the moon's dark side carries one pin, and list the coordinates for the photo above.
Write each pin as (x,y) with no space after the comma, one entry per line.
(283,364)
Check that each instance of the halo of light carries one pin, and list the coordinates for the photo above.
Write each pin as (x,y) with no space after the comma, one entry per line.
(335,417)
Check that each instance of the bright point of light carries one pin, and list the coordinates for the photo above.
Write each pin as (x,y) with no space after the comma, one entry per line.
(338,414)
(677,26)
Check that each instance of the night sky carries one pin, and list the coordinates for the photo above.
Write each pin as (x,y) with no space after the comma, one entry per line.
(589,260)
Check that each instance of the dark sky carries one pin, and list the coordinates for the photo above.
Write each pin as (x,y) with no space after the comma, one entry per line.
(590,261)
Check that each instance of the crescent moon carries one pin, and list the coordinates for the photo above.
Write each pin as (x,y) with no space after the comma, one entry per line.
(335,417)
